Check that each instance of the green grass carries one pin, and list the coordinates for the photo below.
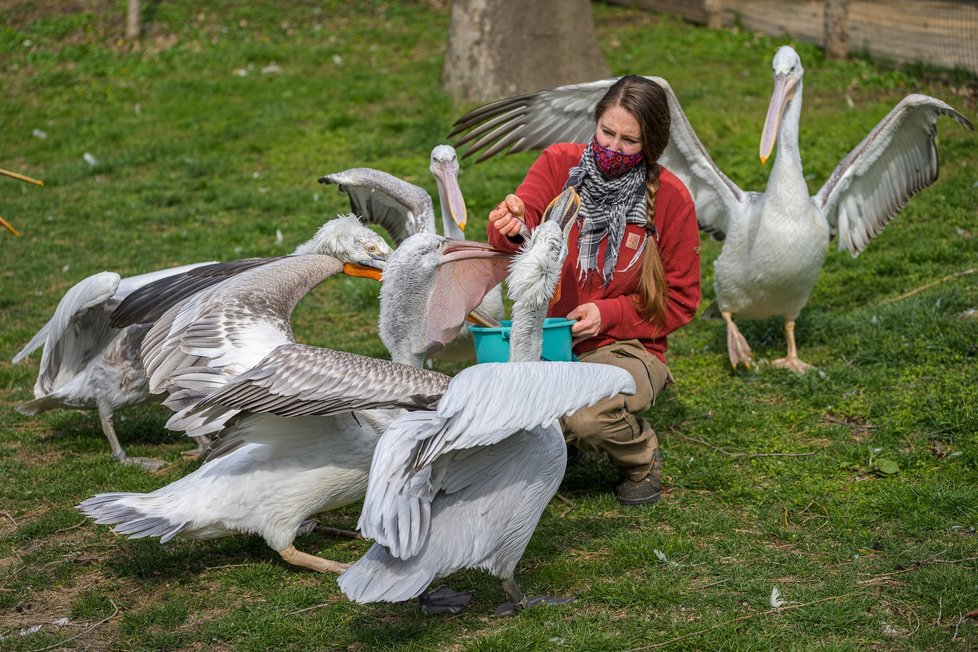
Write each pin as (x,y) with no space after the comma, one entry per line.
(773,479)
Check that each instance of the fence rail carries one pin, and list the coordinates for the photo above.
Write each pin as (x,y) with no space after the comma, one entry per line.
(942,33)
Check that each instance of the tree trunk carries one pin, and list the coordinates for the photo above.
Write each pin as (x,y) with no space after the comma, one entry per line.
(498,48)
(836,28)
(132,20)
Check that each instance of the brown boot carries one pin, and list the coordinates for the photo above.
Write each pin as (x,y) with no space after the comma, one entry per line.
(633,493)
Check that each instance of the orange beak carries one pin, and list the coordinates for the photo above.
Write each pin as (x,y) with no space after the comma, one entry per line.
(360,271)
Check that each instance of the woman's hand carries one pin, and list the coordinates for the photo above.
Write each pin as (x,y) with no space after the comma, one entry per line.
(588,321)
(507,217)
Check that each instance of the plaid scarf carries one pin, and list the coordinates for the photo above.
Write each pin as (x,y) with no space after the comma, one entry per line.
(606,206)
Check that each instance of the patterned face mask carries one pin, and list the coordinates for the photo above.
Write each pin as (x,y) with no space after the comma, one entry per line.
(611,163)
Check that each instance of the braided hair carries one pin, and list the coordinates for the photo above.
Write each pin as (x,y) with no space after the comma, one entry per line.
(647,102)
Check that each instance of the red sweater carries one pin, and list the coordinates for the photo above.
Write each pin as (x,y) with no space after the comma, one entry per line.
(679,248)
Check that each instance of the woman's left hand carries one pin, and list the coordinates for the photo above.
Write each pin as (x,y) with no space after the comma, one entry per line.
(588,321)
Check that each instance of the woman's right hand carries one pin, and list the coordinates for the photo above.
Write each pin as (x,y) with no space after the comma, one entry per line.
(507,217)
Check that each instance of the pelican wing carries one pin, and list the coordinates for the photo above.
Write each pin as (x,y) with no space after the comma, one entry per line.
(147,302)
(76,332)
(897,159)
(230,326)
(398,206)
(299,380)
(484,405)
(565,114)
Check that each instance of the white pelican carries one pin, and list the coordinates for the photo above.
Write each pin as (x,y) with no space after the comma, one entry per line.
(775,241)
(86,363)
(404,209)
(294,448)
(465,486)
(91,357)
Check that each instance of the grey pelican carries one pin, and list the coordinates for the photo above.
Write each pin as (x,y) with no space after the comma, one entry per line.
(14,175)
(774,242)
(464,486)
(91,358)
(86,363)
(404,209)
(293,445)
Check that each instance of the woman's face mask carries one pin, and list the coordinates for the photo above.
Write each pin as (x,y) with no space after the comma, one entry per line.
(611,163)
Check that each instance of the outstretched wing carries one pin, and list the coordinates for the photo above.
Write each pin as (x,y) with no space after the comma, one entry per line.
(297,380)
(197,345)
(566,114)
(484,405)
(401,208)
(76,332)
(896,160)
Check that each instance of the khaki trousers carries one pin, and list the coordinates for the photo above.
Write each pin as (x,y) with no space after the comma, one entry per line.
(614,425)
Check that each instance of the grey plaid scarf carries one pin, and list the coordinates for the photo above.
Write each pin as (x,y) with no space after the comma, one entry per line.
(606,206)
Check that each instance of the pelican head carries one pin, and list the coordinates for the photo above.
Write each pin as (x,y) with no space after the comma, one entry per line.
(430,285)
(444,166)
(534,273)
(787,79)
(350,242)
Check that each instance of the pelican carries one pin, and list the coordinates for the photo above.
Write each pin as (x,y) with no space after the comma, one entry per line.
(91,357)
(404,209)
(293,445)
(774,242)
(86,363)
(464,486)
(13,175)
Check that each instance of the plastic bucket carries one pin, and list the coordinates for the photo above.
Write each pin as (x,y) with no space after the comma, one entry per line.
(492,344)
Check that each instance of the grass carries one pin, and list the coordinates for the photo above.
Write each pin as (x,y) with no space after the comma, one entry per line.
(774,480)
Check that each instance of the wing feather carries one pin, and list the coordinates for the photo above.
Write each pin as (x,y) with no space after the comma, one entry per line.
(483,405)
(896,160)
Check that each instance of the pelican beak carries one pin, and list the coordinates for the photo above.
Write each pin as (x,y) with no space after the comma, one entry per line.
(10,227)
(459,249)
(556,297)
(480,318)
(14,175)
(784,90)
(360,271)
(563,209)
(450,193)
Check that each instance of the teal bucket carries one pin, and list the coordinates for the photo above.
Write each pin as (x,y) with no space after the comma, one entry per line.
(492,344)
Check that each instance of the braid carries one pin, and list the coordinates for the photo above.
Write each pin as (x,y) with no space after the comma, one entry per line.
(652,285)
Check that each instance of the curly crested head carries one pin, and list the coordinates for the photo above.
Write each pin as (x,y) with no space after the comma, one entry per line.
(349,241)
(534,272)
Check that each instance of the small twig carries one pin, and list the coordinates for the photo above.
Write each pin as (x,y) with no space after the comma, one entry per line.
(312,608)
(227,566)
(956,626)
(77,525)
(940,609)
(90,629)
(571,505)
(12,520)
(930,285)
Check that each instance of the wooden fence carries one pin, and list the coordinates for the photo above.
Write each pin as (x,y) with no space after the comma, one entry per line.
(942,33)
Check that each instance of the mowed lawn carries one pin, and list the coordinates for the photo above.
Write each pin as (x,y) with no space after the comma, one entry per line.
(852,490)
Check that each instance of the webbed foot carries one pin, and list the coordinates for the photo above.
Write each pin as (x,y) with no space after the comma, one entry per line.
(443,600)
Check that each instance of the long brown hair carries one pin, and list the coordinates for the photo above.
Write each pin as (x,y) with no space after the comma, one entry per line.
(648,104)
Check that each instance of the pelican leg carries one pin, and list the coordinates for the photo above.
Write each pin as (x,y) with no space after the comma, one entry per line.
(443,600)
(791,361)
(108,428)
(203,441)
(737,347)
(305,560)
(518,601)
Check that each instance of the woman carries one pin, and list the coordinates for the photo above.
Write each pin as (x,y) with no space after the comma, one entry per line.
(632,274)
